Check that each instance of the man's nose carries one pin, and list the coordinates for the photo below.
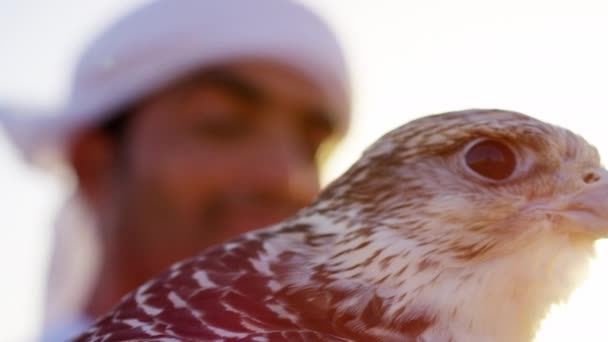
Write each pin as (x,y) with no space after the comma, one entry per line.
(283,166)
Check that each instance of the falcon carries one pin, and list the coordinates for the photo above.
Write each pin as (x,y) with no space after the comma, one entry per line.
(458,227)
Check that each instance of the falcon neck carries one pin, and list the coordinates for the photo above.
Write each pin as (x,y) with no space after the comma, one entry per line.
(502,300)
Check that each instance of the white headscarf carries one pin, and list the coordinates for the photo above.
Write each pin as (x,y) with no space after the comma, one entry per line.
(165,40)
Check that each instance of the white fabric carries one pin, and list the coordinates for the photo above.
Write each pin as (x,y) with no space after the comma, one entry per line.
(65,330)
(74,265)
(165,39)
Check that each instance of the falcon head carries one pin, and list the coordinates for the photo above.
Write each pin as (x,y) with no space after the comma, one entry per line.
(479,184)
(494,212)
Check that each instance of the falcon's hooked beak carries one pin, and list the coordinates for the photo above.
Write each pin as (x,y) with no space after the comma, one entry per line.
(586,212)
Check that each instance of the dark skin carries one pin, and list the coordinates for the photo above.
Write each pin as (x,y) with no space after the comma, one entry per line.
(217,154)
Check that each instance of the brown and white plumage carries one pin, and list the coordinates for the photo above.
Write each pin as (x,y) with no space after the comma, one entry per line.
(460,227)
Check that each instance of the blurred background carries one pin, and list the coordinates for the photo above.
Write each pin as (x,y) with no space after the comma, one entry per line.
(546,58)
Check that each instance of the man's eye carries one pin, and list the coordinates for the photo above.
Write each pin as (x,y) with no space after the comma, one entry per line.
(223,130)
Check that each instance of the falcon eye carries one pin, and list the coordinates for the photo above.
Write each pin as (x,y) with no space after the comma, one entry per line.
(491,159)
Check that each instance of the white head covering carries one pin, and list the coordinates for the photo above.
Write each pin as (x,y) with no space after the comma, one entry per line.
(166,39)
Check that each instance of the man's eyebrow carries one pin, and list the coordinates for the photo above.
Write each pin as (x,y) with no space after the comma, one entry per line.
(235,85)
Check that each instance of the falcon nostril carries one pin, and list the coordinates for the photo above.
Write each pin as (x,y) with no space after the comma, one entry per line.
(591,177)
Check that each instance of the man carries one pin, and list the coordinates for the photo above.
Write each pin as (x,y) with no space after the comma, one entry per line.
(191,122)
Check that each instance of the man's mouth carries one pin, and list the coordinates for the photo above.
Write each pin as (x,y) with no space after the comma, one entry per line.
(232,217)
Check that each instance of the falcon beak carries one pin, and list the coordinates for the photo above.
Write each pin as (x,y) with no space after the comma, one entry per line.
(587,211)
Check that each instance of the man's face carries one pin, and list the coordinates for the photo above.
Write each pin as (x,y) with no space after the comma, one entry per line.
(214,156)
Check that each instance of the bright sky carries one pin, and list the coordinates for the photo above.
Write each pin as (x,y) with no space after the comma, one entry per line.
(546,58)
